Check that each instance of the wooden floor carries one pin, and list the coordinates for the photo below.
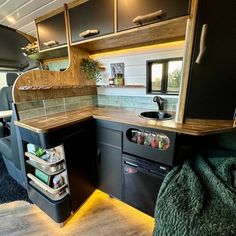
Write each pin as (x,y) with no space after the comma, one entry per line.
(99,216)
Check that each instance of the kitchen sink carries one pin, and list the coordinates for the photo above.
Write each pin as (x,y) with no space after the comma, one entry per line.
(156,115)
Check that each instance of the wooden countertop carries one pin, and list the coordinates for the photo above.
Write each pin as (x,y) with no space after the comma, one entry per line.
(123,115)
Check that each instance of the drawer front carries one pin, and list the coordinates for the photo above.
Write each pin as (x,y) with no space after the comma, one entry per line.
(163,156)
(129,10)
(52,29)
(91,15)
(109,136)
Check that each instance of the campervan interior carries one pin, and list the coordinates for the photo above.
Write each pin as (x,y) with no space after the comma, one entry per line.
(117,117)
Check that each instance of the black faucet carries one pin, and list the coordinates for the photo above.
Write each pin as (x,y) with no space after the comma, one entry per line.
(160,102)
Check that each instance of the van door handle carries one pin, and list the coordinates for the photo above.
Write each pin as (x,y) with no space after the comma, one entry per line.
(89,32)
(146,18)
(202,46)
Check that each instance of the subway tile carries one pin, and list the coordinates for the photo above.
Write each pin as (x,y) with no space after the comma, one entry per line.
(69,100)
(55,109)
(31,113)
(101,100)
(94,102)
(86,103)
(113,101)
(72,106)
(54,102)
(127,101)
(87,97)
(24,106)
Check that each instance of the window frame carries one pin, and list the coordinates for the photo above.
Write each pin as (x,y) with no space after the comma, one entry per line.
(164,79)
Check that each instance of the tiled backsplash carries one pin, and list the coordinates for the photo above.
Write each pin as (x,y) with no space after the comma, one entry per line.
(58,65)
(33,109)
(145,102)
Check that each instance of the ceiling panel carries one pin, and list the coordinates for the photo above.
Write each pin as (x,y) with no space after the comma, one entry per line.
(1,2)
(25,10)
(21,14)
(9,6)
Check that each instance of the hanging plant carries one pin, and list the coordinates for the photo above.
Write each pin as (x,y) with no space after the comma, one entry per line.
(91,69)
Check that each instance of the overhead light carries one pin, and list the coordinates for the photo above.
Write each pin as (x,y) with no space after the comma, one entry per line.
(11,19)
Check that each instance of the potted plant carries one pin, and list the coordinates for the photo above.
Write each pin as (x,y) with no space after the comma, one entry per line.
(91,69)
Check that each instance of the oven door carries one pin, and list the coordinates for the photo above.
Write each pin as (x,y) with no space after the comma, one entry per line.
(141,185)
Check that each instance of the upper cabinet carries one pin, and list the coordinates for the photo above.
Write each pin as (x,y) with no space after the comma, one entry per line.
(211,92)
(51,30)
(91,19)
(133,13)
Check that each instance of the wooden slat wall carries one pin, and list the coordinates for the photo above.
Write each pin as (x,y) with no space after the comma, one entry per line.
(63,80)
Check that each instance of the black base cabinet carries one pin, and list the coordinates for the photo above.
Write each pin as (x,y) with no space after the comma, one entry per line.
(76,144)
(211,93)
(109,157)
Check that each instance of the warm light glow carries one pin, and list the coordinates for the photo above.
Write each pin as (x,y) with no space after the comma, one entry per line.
(98,196)
(170,45)
(11,20)
(98,204)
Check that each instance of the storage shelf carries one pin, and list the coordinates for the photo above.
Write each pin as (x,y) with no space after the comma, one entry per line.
(48,194)
(51,53)
(42,162)
(52,87)
(121,86)
(161,32)
(38,166)
(48,191)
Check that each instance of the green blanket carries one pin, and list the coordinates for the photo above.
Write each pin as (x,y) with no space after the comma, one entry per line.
(198,198)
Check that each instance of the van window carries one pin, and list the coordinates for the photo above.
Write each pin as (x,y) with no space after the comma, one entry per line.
(164,76)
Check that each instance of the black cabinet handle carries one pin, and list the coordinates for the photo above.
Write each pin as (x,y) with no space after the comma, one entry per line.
(202,44)
(88,33)
(149,17)
(50,43)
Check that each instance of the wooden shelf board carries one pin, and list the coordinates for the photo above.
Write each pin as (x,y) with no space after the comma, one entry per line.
(121,86)
(50,87)
(50,53)
(165,31)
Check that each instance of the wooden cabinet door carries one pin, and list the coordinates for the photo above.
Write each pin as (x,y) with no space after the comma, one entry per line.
(52,29)
(212,84)
(91,15)
(130,9)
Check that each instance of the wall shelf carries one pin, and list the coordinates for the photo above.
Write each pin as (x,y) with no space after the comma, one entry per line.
(161,32)
(51,87)
(122,86)
(50,53)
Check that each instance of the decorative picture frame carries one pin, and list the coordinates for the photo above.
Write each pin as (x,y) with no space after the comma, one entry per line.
(117,68)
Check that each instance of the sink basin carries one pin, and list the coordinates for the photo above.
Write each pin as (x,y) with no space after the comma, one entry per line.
(156,115)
